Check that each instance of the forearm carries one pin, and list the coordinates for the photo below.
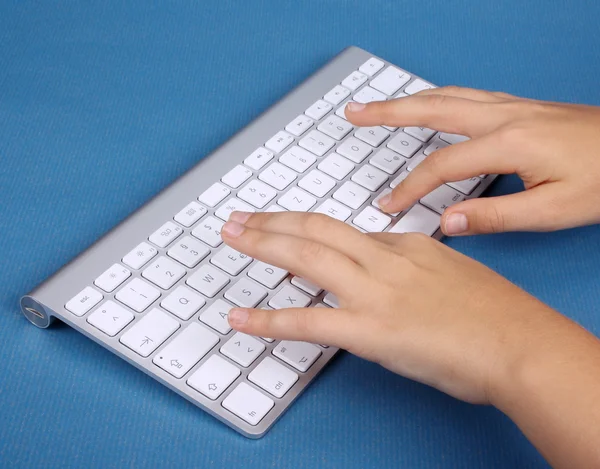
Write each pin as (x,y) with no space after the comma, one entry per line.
(552,391)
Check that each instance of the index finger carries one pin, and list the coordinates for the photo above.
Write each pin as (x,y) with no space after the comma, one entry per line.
(435,111)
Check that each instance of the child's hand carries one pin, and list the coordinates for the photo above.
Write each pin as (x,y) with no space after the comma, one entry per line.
(407,301)
(552,147)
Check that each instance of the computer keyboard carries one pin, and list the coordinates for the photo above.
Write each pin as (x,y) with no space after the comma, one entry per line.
(156,290)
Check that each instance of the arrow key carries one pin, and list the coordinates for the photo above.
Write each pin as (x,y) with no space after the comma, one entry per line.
(243,349)
(213,377)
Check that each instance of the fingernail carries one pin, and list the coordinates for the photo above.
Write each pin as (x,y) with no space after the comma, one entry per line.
(355,107)
(233,228)
(456,223)
(238,317)
(386,199)
(240,217)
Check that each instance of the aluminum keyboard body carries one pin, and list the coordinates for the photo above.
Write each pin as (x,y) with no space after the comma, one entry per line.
(133,293)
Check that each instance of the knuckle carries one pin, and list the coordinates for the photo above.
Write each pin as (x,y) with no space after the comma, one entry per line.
(452,89)
(514,136)
(303,319)
(316,222)
(437,163)
(310,252)
(436,101)
(493,220)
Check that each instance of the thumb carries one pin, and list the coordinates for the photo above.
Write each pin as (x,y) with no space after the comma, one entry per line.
(532,210)
(329,326)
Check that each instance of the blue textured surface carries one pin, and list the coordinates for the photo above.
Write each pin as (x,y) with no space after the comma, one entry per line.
(103,103)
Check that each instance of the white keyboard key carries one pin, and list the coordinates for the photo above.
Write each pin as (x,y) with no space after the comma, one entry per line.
(418,85)
(188,251)
(441,198)
(318,110)
(306,286)
(248,403)
(372,220)
(297,200)
(352,195)
(337,95)
(243,349)
(334,209)
(245,293)
(317,183)
(166,234)
(383,193)
(416,161)
(163,272)
(417,220)
(374,136)
(183,302)
(387,160)
(437,144)
(214,194)
(368,95)
(390,80)
(401,177)
(369,177)
(273,377)
(84,301)
(298,159)
(421,133)
(257,193)
(335,127)
(317,143)
(289,297)
(331,300)
(215,316)
(266,274)
(453,138)
(277,176)
(354,80)
(138,295)
(146,335)
(140,255)
(114,276)
(237,176)
(300,355)
(257,159)
(341,111)
(279,142)
(230,260)
(208,280)
(190,214)
(404,144)
(209,231)
(466,186)
(110,318)
(213,377)
(232,205)
(371,66)
(336,166)
(299,125)
(354,149)
(274,209)
(185,350)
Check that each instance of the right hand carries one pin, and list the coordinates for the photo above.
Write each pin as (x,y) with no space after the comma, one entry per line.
(552,147)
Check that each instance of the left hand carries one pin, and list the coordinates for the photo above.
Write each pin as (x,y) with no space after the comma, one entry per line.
(407,301)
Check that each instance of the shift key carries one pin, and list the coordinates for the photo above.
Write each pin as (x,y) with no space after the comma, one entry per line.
(185,350)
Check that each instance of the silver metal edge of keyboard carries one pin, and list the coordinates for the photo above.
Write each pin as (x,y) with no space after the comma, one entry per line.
(48,297)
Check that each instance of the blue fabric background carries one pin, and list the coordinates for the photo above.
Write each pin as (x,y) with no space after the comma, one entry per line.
(103,103)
